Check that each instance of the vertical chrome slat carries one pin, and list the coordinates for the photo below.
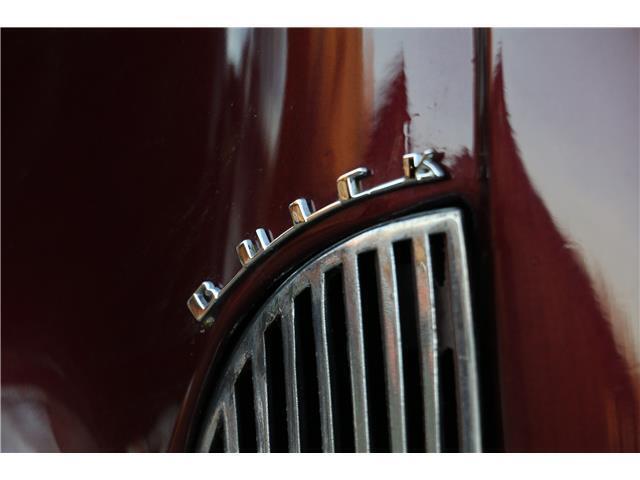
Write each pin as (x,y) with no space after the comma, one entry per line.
(465,364)
(260,393)
(428,341)
(288,340)
(322,358)
(231,444)
(222,410)
(356,351)
(390,318)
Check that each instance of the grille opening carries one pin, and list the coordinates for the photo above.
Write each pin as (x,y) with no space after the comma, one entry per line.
(448,402)
(428,297)
(410,334)
(339,362)
(446,356)
(217,445)
(438,244)
(307,375)
(441,290)
(373,351)
(276,389)
(247,441)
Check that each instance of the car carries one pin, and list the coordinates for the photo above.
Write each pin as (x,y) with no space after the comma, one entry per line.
(332,240)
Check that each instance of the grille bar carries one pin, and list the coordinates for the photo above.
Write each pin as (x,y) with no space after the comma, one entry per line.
(468,403)
(291,382)
(260,391)
(392,347)
(356,352)
(322,356)
(310,375)
(428,341)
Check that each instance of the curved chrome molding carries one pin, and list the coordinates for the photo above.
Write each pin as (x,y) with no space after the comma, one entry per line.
(418,168)
(281,421)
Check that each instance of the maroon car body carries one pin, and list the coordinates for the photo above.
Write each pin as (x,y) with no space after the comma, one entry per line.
(133,162)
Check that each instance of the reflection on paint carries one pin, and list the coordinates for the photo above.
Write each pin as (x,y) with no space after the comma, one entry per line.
(565,384)
(580,148)
(34,422)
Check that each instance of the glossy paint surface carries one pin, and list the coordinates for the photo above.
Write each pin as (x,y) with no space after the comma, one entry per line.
(564,206)
(135,161)
(104,137)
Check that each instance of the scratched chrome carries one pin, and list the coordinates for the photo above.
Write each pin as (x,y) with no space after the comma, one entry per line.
(418,168)
(349,184)
(246,250)
(422,166)
(201,301)
(455,320)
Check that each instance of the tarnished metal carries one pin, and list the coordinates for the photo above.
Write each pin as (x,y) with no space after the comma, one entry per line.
(264,238)
(422,166)
(300,210)
(246,250)
(392,347)
(201,300)
(356,351)
(349,184)
(456,318)
(418,167)
(428,340)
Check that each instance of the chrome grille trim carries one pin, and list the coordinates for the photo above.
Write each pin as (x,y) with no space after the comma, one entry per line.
(322,358)
(456,317)
(428,340)
(468,410)
(351,284)
(260,391)
(392,347)
(291,376)
(418,168)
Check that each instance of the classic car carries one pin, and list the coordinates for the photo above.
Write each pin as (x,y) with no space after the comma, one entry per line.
(337,240)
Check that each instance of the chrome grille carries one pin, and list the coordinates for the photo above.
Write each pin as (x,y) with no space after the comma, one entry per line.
(368,347)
